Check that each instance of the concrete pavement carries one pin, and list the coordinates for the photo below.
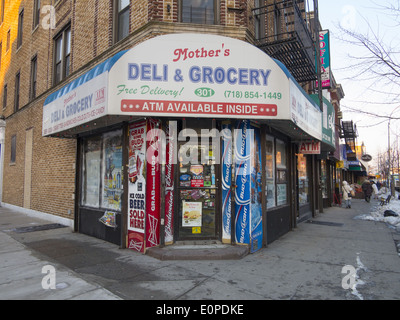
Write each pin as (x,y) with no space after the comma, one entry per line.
(306,263)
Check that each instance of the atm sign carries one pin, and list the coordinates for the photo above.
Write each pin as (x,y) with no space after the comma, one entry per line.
(311,147)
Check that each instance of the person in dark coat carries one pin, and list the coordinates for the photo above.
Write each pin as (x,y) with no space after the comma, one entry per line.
(367,189)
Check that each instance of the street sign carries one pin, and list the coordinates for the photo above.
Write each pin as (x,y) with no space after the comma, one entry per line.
(366,158)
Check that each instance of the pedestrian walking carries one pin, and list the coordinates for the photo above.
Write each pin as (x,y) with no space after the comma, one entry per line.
(346,189)
(379,185)
(367,189)
(375,189)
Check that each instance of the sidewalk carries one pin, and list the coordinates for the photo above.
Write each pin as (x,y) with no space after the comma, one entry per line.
(306,264)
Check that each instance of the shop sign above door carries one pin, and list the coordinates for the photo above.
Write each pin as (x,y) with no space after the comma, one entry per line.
(183,75)
(198,75)
(310,147)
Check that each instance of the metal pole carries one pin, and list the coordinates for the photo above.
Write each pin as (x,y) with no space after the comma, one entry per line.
(318,52)
(388,177)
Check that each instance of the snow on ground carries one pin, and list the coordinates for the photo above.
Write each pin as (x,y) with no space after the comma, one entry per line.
(377,212)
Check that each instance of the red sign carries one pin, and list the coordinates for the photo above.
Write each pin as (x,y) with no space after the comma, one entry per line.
(153,182)
(193,107)
(137,186)
(197,183)
(311,147)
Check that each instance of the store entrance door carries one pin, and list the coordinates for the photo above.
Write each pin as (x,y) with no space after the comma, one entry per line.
(198,208)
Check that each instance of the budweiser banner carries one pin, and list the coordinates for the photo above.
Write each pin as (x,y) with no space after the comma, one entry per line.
(153,182)
(171,133)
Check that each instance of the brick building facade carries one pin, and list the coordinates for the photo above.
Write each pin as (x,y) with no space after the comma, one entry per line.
(30,181)
(50,47)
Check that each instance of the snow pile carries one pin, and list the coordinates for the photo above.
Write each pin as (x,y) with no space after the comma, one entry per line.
(378,212)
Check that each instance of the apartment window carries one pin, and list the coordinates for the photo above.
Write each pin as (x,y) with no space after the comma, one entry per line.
(33,78)
(62,57)
(36,13)
(199,11)
(8,39)
(122,19)
(13,149)
(5,96)
(259,21)
(277,24)
(20,28)
(2,10)
(17,88)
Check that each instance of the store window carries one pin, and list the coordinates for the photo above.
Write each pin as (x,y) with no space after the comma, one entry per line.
(276,172)
(270,172)
(102,171)
(199,11)
(281,178)
(302,168)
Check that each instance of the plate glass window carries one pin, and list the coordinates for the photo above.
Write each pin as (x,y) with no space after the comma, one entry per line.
(102,171)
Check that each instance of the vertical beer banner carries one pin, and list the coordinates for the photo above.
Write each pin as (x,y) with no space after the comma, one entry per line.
(137,186)
(256,189)
(243,140)
(226,182)
(153,182)
(171,134)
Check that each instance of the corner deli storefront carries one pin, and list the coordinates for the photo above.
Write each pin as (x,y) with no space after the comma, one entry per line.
(176,141)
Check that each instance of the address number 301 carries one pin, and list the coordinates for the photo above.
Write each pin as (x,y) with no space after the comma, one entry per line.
(204,92)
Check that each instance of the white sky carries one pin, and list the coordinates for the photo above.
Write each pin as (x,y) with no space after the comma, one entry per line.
(351,14)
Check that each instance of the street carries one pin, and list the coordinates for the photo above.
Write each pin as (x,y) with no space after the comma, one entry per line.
(334,257)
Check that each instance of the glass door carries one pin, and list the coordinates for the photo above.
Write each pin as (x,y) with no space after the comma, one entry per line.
(198,190)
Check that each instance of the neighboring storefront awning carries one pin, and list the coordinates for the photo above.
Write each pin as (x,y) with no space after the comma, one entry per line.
(356,165)
(197,75)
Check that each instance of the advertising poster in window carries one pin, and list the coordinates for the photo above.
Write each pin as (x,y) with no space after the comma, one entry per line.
(192,214)
(281,194)
(92,177)
(243,141)
(256,189)
(270,172)
(226,182)
(137,185)
(153,182)
(112,171)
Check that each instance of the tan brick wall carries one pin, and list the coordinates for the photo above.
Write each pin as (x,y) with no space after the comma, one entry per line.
(53,160)
(139,13)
